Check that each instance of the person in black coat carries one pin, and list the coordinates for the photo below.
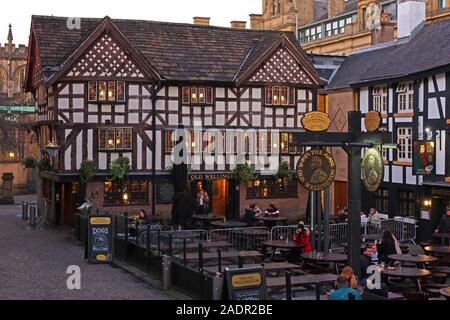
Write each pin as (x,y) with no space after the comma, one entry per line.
(386,247)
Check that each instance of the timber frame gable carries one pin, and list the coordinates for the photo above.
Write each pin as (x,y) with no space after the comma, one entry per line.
(106,54)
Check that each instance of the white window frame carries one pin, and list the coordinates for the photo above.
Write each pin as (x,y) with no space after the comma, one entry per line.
(404,139)
(405,97)
(379,96)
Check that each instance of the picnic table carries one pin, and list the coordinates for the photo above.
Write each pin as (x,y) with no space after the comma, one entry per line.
(250,238)
(438,249)
(272,221)
(319,257)
(445,292)
(228,224)
(225,255)
(419,259)
(268,267)
(279,283)
(404,272)
(205,219)
(281,244)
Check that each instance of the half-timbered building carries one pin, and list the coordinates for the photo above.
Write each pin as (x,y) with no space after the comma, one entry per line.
(97,81)
(408,82)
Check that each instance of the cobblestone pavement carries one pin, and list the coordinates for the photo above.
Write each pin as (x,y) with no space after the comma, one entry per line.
(33,265)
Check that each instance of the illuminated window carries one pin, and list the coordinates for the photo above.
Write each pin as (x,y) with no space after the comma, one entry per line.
(102,91)
(115,139)
(197,95)
(121,91)
(271,188)
(280,95)
(106,91)
(169,141)
(93,95)
(127,193)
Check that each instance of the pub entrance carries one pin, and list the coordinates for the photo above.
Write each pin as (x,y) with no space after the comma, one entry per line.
(223,196)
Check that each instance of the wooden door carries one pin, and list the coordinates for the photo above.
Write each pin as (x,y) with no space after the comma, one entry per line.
(220,197)
(340,196)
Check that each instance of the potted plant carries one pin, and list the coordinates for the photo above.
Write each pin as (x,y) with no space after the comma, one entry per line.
(44,165)
(119,169)
(29,162)
(245,172)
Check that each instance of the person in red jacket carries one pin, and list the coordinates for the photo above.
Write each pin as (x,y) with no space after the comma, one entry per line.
(302,236)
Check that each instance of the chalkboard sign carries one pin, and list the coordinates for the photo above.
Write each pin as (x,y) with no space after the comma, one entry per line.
(100,239)
(165,192)
(246,284)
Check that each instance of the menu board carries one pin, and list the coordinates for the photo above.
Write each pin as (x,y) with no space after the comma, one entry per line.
(246,284)
(165,192)
(100,248)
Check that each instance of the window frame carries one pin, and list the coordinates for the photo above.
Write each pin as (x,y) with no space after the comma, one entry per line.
(404,140)
(406,204)
(266,188)
(276,90)
(104,139)
(188,93)
(114,196)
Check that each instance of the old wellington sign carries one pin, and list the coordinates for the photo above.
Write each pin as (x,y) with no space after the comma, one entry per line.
(316,170)
(316,121)
(372,170)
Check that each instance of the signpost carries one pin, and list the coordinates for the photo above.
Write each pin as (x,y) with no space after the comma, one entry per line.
(100,236)
(352,142)
(246,284)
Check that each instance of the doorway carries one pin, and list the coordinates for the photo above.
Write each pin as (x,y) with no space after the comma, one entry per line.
(220,197)
(340,196)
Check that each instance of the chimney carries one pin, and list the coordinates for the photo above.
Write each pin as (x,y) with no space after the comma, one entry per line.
(256,21)
(335,7)
(386,32)
(201,21)
(411,13)
(238,24)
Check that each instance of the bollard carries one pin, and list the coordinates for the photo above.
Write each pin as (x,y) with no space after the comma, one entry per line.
(288,286)
(24,210)
(219,258)
(166,268)
(184,252)
(217,287)
(200,257)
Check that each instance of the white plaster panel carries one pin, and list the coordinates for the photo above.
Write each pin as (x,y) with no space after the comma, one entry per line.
(173,91)
(133,104)
(245,106)
(102,158)
(78,88)
(78,117)
(93,108)
(68,158)
(133,118)
(79,156)
(173,105)
(364,100)
(78,103)
(220,92)
(63,103)
(133,90)
(119,108)
(232,106)
(90,142)
(397,174)
(256,93)
(119,119)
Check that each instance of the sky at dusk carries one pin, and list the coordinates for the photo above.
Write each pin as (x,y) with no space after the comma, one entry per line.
(18,13)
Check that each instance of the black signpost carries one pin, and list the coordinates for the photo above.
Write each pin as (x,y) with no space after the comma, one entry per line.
(246,284)
(352,142)
(100,239)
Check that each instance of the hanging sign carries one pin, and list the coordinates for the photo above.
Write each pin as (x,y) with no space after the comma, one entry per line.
(372,121)
(316,121)
(423,159)
(316,170)
(372,170)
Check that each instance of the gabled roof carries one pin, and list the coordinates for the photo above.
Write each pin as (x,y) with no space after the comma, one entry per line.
(181,52)
(428,49)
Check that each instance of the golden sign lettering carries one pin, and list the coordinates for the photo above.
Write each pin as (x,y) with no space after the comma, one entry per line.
(316,170)
(100,220)
(372,121)
(246,280)
(316,121)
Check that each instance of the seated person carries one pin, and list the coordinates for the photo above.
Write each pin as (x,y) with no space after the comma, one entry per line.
(302,236)
(365,262)
(272,211)
(343,292)
(250,215)
(389,245)
(143,221)
(348,274)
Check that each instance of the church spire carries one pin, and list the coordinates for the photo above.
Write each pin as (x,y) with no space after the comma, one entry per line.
(10,34)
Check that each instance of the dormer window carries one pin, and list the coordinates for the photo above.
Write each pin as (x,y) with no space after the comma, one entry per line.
(379,95)
(110,91)
(405,97)
(280,95)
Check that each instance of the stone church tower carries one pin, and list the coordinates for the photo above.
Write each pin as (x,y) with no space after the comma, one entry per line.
(13,60)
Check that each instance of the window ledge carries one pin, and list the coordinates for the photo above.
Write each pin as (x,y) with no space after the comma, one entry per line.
(403,115)
(403,163)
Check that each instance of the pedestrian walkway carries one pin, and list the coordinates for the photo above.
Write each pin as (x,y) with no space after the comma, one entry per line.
(33,265)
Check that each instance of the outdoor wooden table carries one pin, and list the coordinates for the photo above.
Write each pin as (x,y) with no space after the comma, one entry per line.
(420,259)
(225,255)
(228,224)
(271,222)
(445,292)
(373,237)
(403,272)
(248,238)
(279,283)
(438,249)
(325,257)
(281,244)
(273,266)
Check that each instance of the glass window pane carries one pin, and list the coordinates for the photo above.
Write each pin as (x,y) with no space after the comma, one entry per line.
(102,91)
(111,91)
(121,91)
(92,91)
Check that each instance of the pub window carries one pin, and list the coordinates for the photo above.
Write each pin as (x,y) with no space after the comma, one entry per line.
(102,91)
(197,95)
(280,95)
(271,188)
(406,202)
(93,95)
(120,91)
(287,143)
(380,99)
(115,139)
(382,200)
(106,91)
(405,144)
(169,141)
(127,193)
(405,97)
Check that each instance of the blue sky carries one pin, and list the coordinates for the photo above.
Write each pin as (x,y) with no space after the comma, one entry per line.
(18,13)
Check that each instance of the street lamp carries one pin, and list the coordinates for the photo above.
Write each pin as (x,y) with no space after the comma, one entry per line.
(52,148)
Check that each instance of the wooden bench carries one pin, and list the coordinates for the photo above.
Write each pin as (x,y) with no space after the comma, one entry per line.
(268,267)
(225,255)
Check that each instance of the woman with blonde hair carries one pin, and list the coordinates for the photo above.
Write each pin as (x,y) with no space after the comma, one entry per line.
(348,274)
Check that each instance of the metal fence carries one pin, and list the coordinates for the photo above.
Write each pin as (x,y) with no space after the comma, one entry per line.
(242,238)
